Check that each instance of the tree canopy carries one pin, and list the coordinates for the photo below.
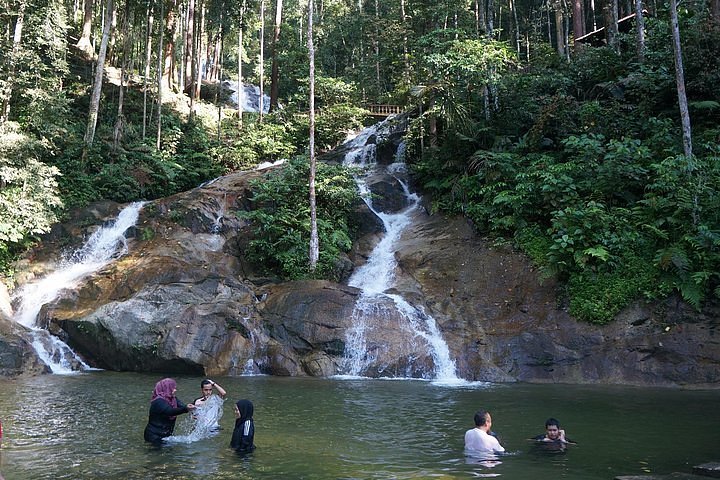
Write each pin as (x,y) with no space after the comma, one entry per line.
(548,124)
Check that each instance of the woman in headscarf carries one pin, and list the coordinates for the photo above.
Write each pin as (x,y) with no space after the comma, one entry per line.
(164,409)
(244,432)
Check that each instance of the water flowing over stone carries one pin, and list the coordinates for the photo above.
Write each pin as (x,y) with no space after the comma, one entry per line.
(106,244)
(377,276)
(185,298)
(248,97)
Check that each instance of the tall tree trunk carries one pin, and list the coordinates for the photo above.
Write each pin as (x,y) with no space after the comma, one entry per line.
(314,253)
(99,72)
(261,101)
(578,24)
(376,47)
(559,29)
(275,75)
(490,18)
(610,13)
(193,37)
(84,44)
(161,29)
(715,11)
(481,17)
(680,81)
(640,30)
(406,54)
(515,26)
(148,58)
(189,59)
(169,51)
(240,90)
(12,61)
(218,91)
(120,118)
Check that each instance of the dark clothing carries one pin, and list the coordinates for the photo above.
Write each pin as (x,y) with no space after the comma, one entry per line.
(244,432)
(161,420)
(243,436)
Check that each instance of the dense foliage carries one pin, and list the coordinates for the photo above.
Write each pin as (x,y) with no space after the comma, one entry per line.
(281,220)
(582,166)
(574,156)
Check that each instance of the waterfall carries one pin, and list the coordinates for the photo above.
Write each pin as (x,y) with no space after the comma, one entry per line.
(103,246)
(376,276)
(248,97)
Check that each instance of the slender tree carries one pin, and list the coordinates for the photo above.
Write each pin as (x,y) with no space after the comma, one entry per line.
(148,59)
(240,88)
(275,75)
(578,24)
(120,118)
(84,44)
(680,81)
(99,72)
(161,28)
(189,59)
(12,61)
(640,30)
(261,102)
(314,240)
(715,11)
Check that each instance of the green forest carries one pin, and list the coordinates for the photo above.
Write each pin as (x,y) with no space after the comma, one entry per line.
(586,134)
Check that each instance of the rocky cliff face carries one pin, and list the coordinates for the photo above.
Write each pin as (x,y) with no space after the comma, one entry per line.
(184,299)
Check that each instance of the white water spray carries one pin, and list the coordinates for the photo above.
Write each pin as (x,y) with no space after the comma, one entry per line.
(248,97)
(202,423)
(103,246)
(376,276)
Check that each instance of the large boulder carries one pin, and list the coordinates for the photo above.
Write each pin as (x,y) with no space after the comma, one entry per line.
(503,323)
(17,355)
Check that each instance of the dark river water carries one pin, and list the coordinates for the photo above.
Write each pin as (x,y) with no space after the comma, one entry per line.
(90,426)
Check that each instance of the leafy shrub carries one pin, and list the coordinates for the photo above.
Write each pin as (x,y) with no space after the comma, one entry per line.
(281,220)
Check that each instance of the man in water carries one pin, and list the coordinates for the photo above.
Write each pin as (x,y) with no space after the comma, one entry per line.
(209,409)
(478,439)
(206,387)
(553,433)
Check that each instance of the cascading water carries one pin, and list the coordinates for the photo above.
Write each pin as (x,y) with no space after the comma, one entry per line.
(248,97)
(376,276)
(103,246)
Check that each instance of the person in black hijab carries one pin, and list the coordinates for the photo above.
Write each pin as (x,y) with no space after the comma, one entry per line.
(244,432)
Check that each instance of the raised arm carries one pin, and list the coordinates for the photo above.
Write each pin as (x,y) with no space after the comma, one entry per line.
(220,390)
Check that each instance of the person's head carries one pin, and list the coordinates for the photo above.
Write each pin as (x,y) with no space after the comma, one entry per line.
(483,419)
(244,409)
(206,387)
(165,388)
(552,428)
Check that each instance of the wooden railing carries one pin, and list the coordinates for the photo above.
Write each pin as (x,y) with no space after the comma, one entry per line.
(384,110)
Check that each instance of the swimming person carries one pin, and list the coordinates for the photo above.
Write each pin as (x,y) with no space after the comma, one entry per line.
(553,433)
(164,409)
(244,432)
(478,439)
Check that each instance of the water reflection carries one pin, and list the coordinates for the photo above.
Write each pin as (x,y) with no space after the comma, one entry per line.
(90,426)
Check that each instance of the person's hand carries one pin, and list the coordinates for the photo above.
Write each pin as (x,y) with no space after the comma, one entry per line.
(191,406)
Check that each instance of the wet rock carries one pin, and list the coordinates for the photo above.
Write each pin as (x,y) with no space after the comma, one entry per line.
(711,469)
(186,300)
